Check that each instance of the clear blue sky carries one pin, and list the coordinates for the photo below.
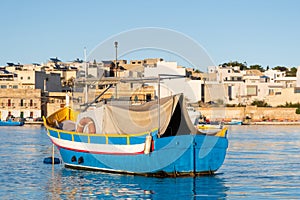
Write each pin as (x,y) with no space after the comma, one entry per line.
(265,32)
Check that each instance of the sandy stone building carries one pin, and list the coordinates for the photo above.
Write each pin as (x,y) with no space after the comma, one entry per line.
(20,103)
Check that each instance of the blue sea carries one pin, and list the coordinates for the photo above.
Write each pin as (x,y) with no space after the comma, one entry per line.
(262,162)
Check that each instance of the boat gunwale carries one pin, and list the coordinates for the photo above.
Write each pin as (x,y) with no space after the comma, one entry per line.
(48,127)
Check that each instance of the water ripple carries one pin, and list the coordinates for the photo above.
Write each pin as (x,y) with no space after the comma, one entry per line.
(262,163)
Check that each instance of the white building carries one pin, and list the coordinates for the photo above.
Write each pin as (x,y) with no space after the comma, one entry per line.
(274,75)
(298,78)
(191,88)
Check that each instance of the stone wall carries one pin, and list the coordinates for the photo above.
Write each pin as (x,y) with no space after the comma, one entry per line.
(255,113)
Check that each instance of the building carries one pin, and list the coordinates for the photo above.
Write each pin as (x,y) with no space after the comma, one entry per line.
(244,87)
(22,103)
(181,84)
(52,101)
(50,82)
(289,92)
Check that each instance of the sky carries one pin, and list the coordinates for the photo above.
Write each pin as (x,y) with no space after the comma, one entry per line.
(252,31)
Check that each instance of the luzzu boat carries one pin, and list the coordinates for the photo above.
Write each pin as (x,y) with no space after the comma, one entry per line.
(130,139)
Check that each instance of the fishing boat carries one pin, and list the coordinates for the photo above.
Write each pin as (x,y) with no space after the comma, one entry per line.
(11,122)
(155,138)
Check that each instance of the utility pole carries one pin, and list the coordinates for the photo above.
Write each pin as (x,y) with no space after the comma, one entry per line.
(116,66)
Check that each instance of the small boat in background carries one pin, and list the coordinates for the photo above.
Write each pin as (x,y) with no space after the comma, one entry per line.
(235,122)
(12,122)
(210,125)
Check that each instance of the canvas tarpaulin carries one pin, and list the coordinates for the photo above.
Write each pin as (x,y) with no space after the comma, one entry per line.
(134,119)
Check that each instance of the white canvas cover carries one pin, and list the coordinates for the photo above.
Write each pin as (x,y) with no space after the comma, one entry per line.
(95,114)
(119,119)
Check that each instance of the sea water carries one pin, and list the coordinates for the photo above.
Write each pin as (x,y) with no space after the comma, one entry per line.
(262,162)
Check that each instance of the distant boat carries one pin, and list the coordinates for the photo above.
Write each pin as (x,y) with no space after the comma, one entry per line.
(210,125)
(11,122)
(235,122)
(195,117)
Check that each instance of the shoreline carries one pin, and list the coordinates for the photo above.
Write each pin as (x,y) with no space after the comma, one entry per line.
(29,123)
(273,123)
(246,124)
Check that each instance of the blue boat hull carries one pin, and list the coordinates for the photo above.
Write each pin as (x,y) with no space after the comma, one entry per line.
(172,156)
(11,123)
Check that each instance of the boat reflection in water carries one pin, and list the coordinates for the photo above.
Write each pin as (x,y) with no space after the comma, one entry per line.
(74,184)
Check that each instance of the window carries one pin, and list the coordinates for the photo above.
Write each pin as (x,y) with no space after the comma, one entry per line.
(21,77)
(22,102)
(9,102)
(252,90)
(31,102)
(297,90)
(15,87)
(3,86)
(230,92)
(28,78)
(148,97)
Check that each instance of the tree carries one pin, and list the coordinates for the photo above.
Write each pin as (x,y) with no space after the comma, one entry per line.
(258,67)
(242,66)
(290,105)
(259,103)
(289,72)
(70,82)
(280,68)
(292,72)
